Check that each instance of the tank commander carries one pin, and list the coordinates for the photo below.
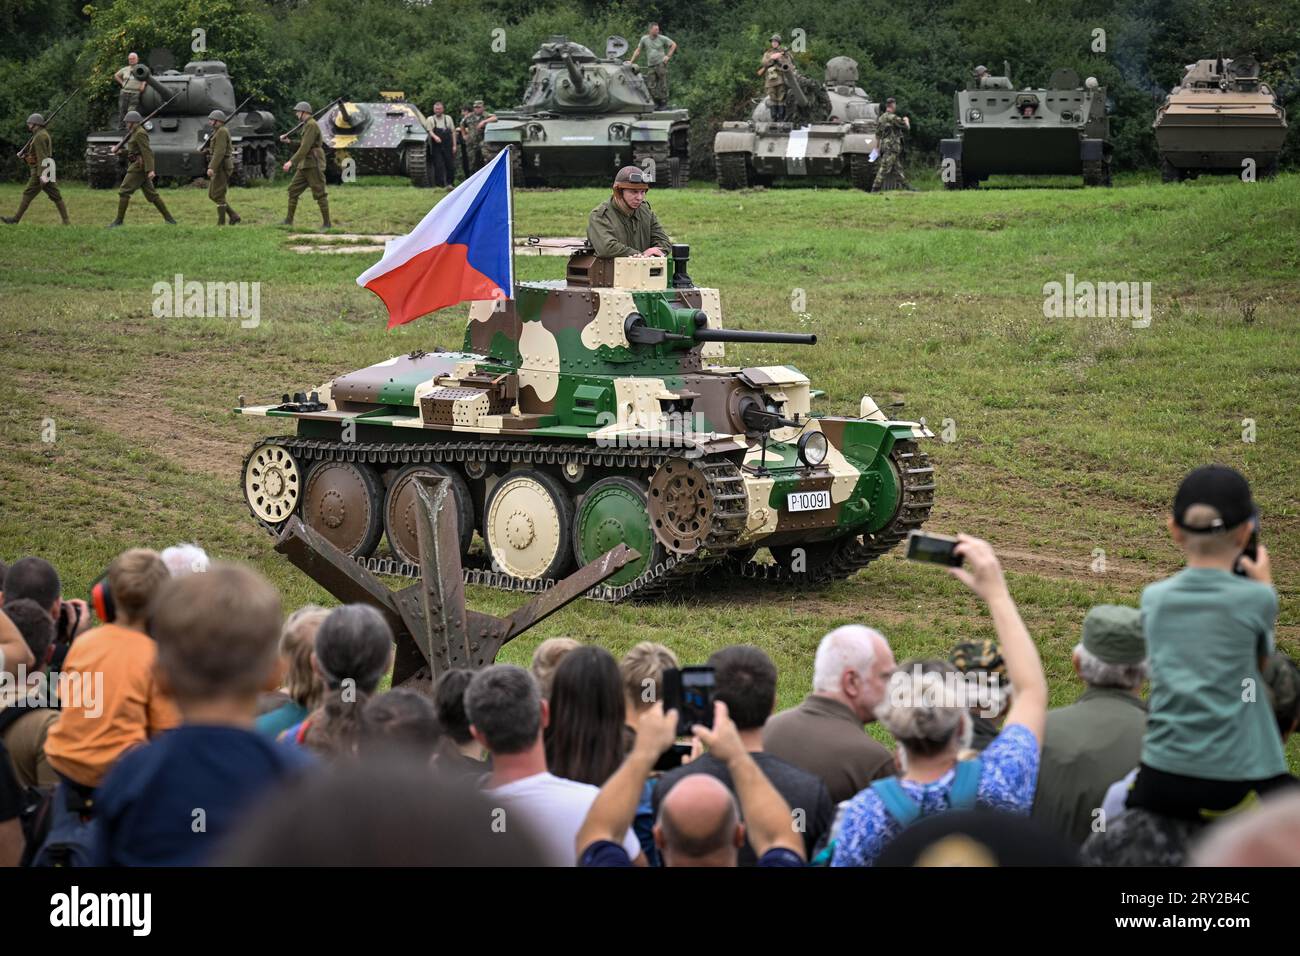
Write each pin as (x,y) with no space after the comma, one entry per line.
(659,49)
(774,77)
(984,80)
(39,175)
(129,97)
(625,225)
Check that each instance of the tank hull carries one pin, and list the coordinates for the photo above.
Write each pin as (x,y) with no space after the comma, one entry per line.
(555,150)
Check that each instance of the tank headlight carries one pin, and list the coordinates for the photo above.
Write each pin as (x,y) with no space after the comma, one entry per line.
(149,125)
(813,448)
(1067,117)
(975,116)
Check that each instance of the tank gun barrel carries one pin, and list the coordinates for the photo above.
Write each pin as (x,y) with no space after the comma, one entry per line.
(142,72)
(740,335)
(640,332)
(575,74)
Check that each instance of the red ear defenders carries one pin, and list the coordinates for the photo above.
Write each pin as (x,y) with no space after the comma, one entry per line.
(101,599)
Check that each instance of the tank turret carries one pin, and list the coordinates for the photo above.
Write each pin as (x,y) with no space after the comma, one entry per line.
(591,411)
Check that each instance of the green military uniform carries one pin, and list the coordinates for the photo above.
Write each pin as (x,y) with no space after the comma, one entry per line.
(139,164)
(221,161)
(309,161)
(656,75)
(774,82)
(36,155)
(129,97)
(889,171)
(472,139)
(615,230)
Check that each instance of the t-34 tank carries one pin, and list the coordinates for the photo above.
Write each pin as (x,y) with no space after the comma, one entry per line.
(1060,130)
(831,132)
(586,118)
(179,133)
(588,412)
(383,139)
(1217,118)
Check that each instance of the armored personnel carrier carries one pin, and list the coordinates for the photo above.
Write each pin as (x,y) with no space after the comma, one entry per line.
(1218,117)
(831,132)
(180,132)
(383,139)
(1062,129)
(587,412)
(584,117)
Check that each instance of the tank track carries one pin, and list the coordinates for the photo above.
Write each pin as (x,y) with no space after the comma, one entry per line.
(732,169)
(724,477)
(849,555)
(102,171)
(862,172)
(1096,172)
(417,166)
(661,153)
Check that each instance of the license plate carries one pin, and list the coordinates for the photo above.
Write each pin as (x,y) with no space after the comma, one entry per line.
(808,501)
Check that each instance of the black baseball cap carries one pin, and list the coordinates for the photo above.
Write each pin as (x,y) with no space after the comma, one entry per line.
(1221,488)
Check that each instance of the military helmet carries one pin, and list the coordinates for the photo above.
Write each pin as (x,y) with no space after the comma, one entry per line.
(632,177)
(132,117)
(302,107)
(36,119)
(217,115)
(981,70)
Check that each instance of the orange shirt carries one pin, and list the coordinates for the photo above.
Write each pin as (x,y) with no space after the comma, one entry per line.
(111,713)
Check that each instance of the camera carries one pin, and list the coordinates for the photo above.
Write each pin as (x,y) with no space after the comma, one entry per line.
(1251,550)
(933,549)
(689,690)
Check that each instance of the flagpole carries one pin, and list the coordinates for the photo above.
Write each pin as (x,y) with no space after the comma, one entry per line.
(510,185)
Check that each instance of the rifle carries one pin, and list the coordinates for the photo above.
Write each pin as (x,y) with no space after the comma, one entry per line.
(22,152)
(284,137)
(121,142)
(208,135)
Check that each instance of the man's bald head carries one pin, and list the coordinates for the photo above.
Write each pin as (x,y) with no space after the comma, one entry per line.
(699,823)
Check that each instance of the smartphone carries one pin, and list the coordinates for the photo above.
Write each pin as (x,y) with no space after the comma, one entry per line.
(1251,550)
(933,549)
(672,758)
(690,691)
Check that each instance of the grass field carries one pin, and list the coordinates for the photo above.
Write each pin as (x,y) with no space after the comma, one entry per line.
(1070,434)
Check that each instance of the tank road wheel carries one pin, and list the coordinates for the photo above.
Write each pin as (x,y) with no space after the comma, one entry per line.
(1096,172)
(528,526)
(681,506)
(343,500)
(1169,172)
(614,511)
(400,505)
(417,165)
(272,483)
(102,170)
(862,171)
(658,153)
(733,170)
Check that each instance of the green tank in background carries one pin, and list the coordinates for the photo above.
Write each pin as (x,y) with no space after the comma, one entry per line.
(590,411)
(1219,116)
(1062,129)
(387,138)
(178,134)
(585,118)
(831,132)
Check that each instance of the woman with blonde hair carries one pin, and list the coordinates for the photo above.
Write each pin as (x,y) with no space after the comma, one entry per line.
(302,687)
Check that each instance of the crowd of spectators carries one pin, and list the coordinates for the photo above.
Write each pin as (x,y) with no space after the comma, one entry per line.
(194,723)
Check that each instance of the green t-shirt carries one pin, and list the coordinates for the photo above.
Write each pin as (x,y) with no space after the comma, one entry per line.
(1210,715)
(656,48)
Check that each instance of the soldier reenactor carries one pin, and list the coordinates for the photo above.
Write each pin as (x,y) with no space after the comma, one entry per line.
(659,49)
(890,127)
(221,163)
(472,135)
(139,170)
(460,138)
(129,97)
(310,159)
(625,225)
(442,130)
(774,77)
(41,175)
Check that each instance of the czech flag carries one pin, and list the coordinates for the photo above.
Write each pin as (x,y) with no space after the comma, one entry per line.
(459,252)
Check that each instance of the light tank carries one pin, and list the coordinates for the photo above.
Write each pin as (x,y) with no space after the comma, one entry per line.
(387,138)
(831,132)
(1216,119)
(587,412)
(585,118)
(179,134)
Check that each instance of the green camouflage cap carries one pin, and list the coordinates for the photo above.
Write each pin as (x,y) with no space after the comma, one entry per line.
(1282,679)
(978,656)
(775,36)
(478,102)
(1112,633)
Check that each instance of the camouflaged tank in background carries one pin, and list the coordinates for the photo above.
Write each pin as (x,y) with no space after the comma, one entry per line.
(180,132)
(383,139)
(586,118)
(1060,130)
(588,412)
(1216,118)
(831,132)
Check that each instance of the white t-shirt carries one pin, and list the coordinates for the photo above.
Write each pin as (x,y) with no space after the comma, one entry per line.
(554,808)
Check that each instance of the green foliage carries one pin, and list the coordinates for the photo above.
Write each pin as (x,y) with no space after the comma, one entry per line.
(920,52)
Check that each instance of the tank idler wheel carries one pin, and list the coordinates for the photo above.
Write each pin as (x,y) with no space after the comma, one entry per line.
(272,483)
(528,525)
(400,510)
(614,511)
(681,506)
(344,501)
